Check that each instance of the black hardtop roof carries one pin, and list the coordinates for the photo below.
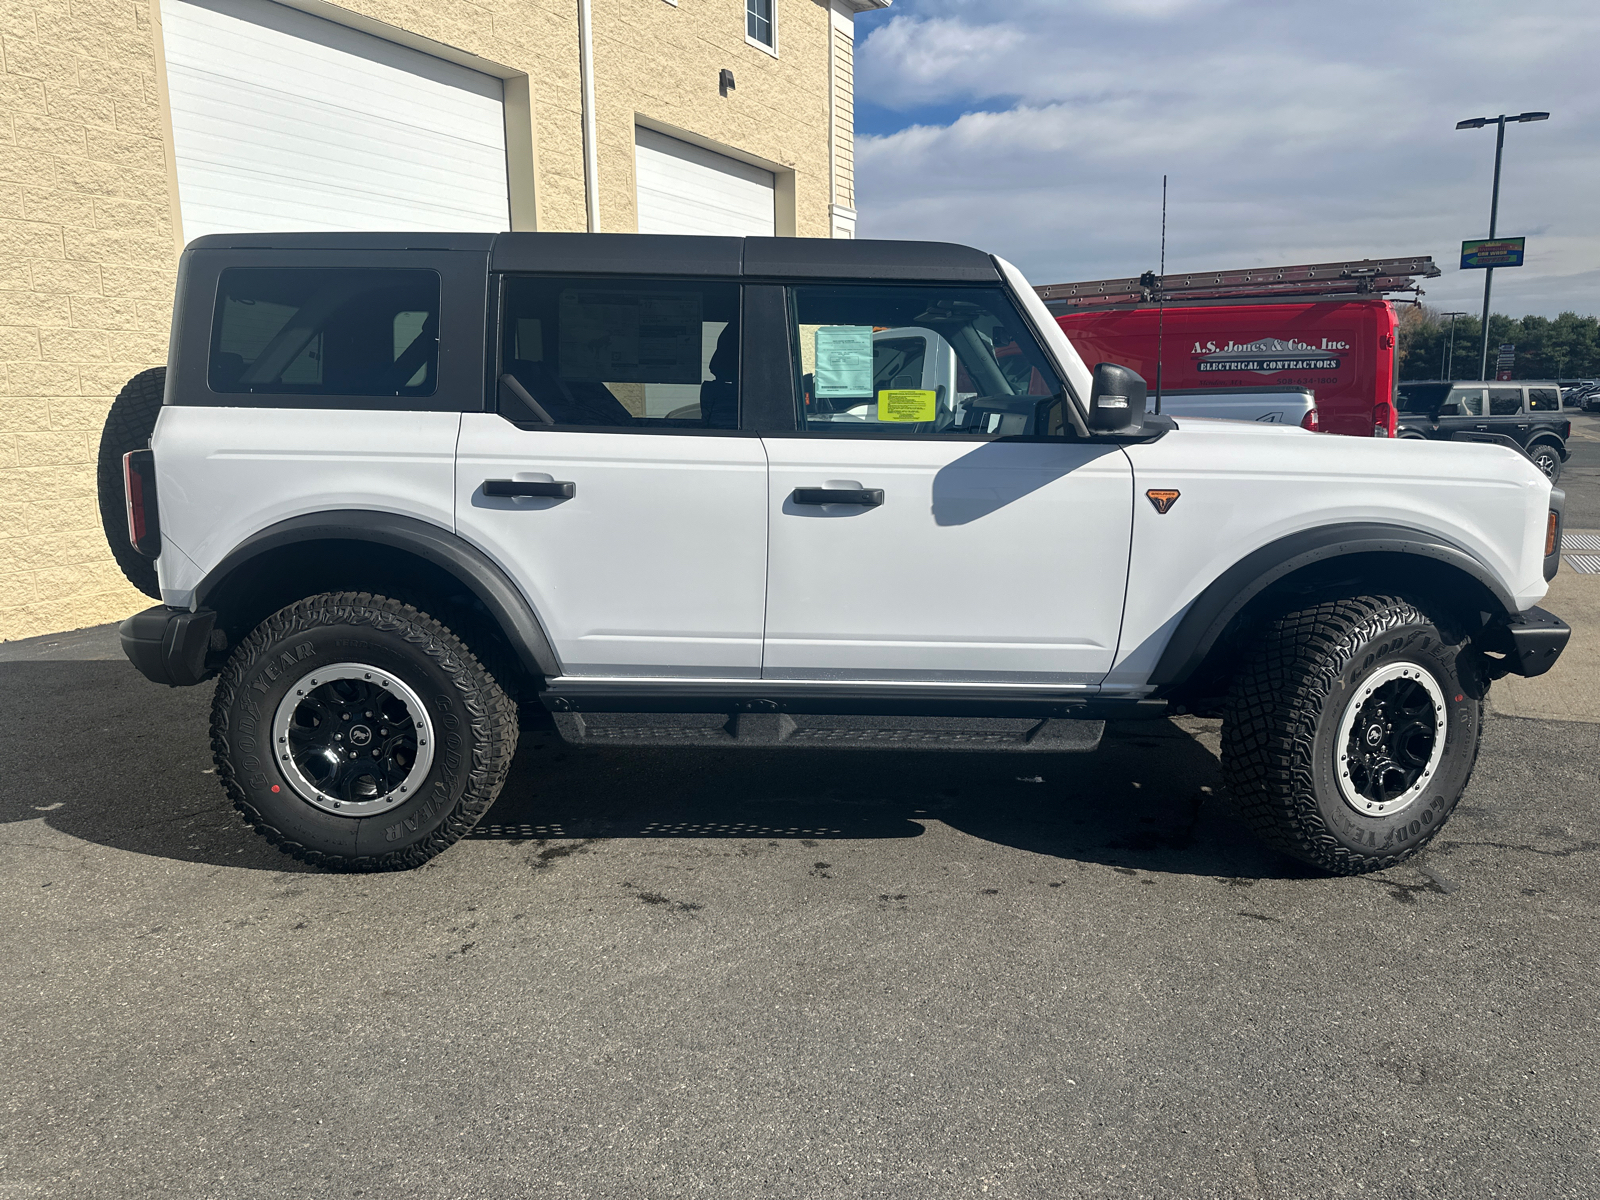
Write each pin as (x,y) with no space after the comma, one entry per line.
(659,254)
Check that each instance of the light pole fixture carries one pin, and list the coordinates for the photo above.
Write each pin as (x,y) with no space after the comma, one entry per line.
(1448,363)
(1494,204)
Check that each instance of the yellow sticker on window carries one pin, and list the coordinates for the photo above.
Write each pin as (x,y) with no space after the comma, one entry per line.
(907,404)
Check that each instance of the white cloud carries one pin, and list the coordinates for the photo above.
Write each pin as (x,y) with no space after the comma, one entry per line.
(1292,132)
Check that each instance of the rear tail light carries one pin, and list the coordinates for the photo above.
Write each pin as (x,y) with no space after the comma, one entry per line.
(1311,421)
(1383,419)
(1550,533)
(139,491)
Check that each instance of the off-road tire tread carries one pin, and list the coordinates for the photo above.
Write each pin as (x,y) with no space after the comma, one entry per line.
(494,719)
(1270,722)
(128,426)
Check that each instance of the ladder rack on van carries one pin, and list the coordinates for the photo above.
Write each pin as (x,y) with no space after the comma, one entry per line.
(1367,277)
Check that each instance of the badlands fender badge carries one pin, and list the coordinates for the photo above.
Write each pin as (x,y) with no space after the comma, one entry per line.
(1162,498)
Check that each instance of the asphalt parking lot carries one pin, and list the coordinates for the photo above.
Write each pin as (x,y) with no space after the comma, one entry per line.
(820,974)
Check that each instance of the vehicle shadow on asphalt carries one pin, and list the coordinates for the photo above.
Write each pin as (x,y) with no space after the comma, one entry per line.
(1149,799)
(98,753)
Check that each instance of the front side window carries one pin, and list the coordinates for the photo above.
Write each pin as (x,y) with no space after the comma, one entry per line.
(1544,400)
(919,360)
(758,21)
(620,353)
(325,332)
(1505,402)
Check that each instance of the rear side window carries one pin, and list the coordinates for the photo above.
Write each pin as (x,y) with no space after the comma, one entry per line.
(1505,402)
(1544,400)
(326,332)
(620,353)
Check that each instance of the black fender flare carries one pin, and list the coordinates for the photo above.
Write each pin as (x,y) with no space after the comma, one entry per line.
(1224,597)
(432,543)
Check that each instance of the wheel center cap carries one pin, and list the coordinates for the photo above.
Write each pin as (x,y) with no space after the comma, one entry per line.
(1374,735)
(360,735)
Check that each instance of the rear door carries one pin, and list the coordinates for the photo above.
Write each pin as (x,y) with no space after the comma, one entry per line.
(634,517)
(1463,408)
(934,535)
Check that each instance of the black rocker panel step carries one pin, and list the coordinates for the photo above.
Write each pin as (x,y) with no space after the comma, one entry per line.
(1022,734)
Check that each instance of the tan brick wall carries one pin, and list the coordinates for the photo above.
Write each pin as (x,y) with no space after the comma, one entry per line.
(87,244)
(86,271)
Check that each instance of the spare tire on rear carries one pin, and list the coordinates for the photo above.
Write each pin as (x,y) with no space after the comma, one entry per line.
(129,424)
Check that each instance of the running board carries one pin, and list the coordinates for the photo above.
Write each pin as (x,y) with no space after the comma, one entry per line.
(765,730)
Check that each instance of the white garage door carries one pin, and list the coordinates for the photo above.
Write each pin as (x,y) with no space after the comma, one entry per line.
(285,121)
(685,189)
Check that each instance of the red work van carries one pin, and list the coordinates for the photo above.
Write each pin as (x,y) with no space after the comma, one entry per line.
(1326,327)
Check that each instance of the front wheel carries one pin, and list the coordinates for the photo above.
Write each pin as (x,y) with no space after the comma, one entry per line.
(354,732)
(1351,731)
(1548,459)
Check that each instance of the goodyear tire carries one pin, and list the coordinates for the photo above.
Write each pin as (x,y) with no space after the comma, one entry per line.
(128,426)
(358,734)
(1351,732)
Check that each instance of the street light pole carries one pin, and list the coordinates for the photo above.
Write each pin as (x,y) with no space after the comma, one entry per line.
(1494,214)
(1494,206)
(1447,367)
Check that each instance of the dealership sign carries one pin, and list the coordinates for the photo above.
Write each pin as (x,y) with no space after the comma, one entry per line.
(1495,252)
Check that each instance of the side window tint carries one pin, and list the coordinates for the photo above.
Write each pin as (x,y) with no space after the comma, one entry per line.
(1544,400)
(1505,402)
(324,332)
(1469,401)
(919,360)
(621,353)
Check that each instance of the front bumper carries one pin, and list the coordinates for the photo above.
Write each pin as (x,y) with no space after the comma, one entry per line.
(169,645)
(1528,644)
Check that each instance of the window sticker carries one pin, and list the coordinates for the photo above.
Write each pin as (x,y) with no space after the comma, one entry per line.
(907,404)
(630,337)
(844,361)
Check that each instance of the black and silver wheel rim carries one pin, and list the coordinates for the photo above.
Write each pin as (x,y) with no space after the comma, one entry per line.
(353,739)
(1391,740)
(1545,459)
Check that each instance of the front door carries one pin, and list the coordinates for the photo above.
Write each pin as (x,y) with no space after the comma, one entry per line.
(614,485)
(938,534)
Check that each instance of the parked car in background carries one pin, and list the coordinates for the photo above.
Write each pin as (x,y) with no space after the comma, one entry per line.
(1529,413)
(1576,391)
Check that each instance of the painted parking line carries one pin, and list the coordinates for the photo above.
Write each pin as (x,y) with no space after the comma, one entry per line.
(1584,564)
(1580,541)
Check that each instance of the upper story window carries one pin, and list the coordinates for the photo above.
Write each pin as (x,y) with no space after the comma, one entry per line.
(758,23)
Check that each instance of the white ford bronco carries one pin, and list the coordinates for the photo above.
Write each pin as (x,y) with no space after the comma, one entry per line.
(400,492)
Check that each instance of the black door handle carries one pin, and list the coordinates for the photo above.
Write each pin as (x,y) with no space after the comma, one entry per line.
(529,487)
(867,497)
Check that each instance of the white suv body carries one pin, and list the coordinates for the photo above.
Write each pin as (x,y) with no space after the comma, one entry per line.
(1005,537)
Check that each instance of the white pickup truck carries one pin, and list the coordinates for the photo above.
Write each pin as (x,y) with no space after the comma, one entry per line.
(710,492)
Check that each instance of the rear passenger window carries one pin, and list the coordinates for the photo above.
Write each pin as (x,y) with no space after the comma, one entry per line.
(323,332)
(1544,400)
(620,353)
(1505,402)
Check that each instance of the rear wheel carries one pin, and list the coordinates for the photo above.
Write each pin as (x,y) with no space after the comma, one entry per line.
(1547,458)
(355,732)
(1351,732)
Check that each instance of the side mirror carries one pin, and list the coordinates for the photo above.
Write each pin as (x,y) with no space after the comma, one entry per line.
(1116,402)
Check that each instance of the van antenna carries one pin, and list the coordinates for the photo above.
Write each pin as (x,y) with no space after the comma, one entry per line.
(1161,294)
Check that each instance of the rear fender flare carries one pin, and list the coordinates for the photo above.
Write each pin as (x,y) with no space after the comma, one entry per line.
(1208,616)
(432,543)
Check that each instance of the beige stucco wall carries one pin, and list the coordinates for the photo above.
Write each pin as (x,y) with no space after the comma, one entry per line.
(88,241)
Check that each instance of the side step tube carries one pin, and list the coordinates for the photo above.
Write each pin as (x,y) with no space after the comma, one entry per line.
(759,730)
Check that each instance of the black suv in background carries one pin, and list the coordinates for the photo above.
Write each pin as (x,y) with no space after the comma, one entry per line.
(1527,413)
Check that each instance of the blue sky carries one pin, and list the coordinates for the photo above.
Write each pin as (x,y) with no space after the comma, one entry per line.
(1291,131)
